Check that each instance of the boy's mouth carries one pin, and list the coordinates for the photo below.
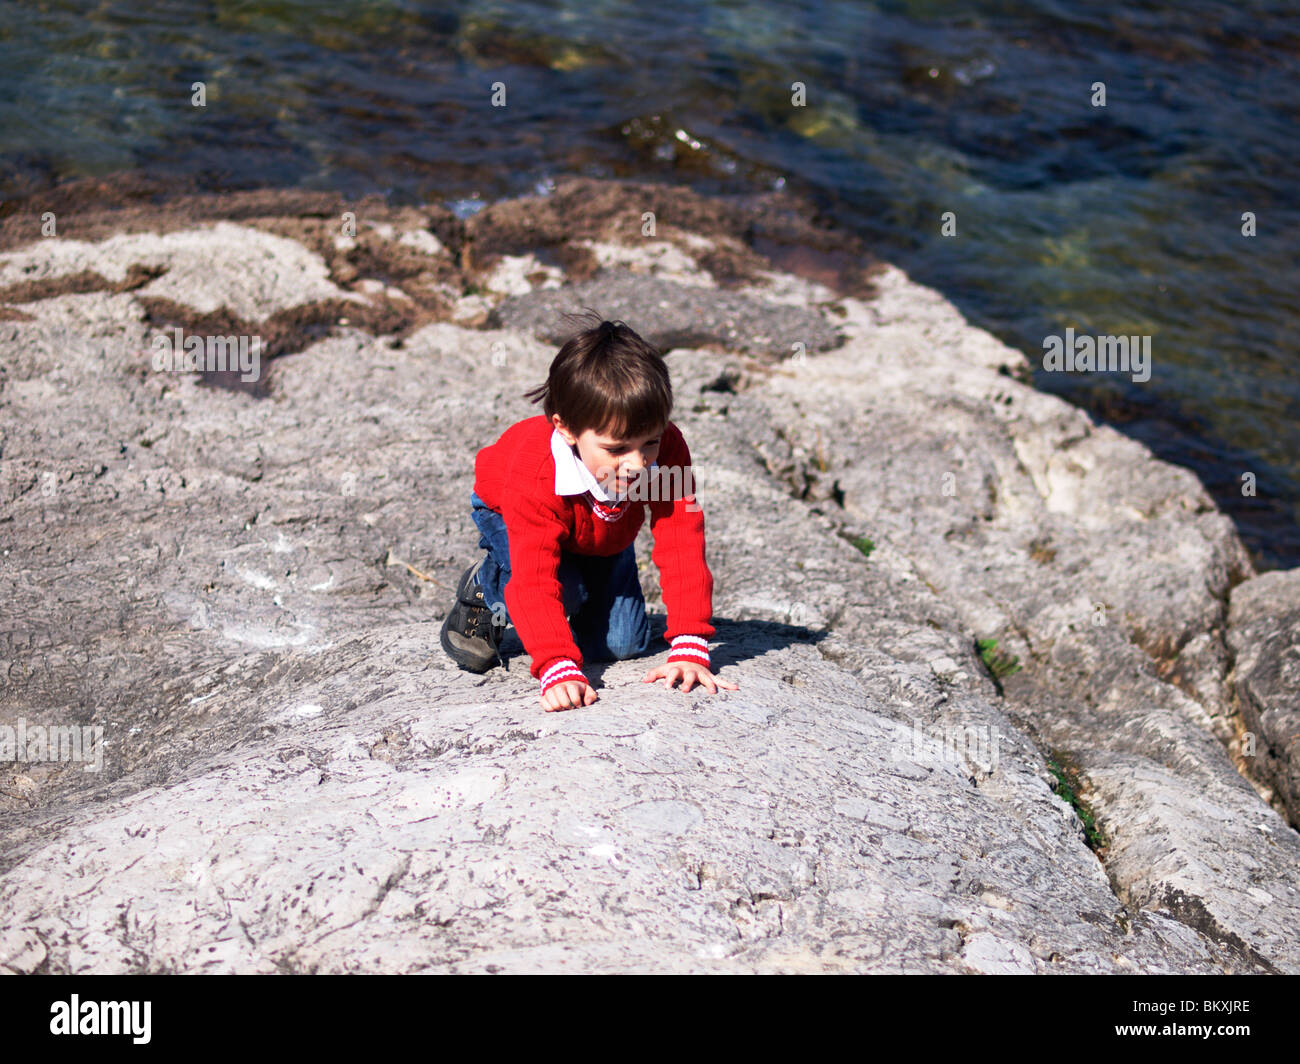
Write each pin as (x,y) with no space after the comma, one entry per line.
(620,483)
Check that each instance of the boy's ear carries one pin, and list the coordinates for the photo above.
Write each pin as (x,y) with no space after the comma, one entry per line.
(569,437)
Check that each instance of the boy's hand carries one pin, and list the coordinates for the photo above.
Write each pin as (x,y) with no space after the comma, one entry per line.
(569,695)
(690,674)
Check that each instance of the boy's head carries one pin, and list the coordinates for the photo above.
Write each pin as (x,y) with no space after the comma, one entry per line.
(608,379)
(609,395)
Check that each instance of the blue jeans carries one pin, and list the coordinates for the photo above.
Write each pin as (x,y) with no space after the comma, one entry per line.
(602,595)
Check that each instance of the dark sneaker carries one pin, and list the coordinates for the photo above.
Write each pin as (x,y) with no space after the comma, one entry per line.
(468,635)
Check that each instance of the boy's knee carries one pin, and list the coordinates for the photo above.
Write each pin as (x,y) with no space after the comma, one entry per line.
(632,647)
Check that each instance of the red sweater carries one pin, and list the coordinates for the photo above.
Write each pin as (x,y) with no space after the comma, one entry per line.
(516,477)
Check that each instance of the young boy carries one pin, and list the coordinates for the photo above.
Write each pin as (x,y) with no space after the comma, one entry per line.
(558,500)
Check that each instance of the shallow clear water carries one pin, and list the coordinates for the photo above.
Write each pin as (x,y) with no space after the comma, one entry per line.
(1123,219)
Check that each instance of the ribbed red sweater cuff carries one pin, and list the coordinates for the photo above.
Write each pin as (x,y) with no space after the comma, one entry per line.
(690,648)
(561,670)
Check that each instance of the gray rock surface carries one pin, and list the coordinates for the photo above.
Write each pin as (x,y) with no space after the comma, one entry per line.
(1264,637)
(245,594)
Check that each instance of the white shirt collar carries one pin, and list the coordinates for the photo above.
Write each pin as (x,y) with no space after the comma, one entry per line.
(572,477)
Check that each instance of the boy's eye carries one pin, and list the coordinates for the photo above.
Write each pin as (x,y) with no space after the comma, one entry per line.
(620,448)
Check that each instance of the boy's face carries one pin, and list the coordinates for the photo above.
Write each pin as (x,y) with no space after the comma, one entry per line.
(612,461)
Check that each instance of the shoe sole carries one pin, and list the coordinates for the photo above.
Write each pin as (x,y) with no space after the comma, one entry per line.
(458,656)
(475,664)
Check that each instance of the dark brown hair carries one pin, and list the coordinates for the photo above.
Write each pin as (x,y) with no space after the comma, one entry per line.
(607,378)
